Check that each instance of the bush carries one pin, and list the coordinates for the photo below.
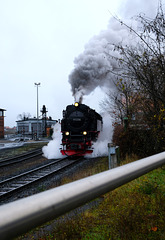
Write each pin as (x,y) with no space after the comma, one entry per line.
(141,142)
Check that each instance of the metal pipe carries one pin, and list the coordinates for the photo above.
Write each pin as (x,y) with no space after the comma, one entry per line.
(22,215)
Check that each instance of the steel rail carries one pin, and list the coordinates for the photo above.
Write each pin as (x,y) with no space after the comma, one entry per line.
(21,181)
(22,215)
(29,172)
(20,158)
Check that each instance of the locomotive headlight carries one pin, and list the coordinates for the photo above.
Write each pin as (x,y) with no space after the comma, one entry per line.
(66,133)
(84,133)
(76,104)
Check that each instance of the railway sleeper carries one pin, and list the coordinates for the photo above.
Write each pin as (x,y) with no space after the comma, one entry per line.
(8,189)
(20,183)
(26,181)
(15,185)
(2,193)
(31,179)
(45,172)
(40,175)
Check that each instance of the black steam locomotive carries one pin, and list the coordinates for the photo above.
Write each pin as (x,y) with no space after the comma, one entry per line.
(80,127)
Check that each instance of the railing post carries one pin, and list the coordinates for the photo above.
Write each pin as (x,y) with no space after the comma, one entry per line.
(112,158)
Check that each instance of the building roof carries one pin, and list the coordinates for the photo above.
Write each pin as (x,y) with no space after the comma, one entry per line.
(1,109)
(35,119)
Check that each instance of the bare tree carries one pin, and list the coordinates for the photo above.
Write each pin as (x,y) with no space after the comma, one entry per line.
(23,116)
(141,79)
(144,66)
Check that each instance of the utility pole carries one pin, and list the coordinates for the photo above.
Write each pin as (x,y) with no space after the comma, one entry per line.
(37,84)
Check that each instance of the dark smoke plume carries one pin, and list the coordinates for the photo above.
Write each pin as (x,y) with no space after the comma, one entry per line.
(94,66)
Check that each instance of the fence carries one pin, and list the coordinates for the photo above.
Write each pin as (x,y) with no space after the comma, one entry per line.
(22,215)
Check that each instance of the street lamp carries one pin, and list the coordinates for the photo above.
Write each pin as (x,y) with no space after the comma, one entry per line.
(37,84)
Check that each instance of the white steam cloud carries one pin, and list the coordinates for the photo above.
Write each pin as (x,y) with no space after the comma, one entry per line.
(105,137)
(52,150)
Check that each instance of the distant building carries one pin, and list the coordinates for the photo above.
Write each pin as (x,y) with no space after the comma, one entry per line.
(27,127)
(2,122)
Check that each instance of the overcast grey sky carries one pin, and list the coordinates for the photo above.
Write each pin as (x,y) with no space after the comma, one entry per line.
(39,41)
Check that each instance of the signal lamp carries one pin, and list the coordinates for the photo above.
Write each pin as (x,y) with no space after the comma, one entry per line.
(84,133)
(66,133)
(76,104)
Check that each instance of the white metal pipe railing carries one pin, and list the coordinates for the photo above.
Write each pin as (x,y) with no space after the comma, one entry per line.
(22,215)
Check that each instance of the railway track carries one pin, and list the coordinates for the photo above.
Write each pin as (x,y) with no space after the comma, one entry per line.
(20,158)
(20,182)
